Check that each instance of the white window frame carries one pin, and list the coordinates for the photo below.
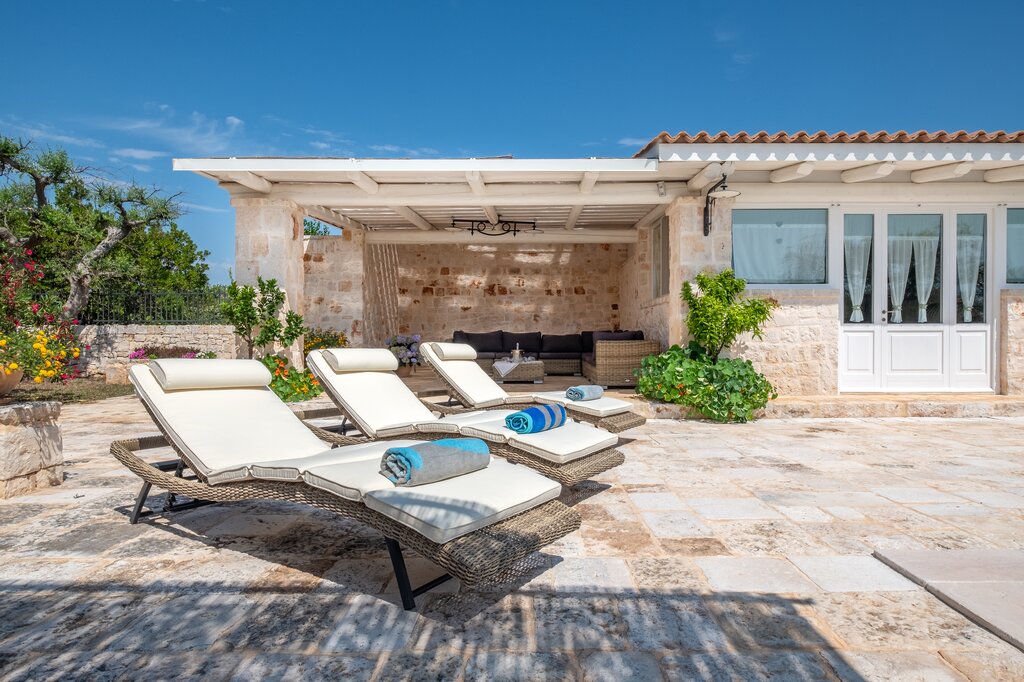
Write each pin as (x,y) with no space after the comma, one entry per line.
(833,243)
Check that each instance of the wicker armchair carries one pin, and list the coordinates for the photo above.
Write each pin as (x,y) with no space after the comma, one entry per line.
(614,362)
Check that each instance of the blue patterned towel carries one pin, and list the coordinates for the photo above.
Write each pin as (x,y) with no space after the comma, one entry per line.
(434,461)
(584,392)
(536,419)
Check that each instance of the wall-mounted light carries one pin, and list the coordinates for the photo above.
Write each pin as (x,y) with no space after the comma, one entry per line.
(719,190)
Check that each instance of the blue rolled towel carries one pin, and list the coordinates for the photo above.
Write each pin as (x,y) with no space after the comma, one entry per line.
(584,392)
(536,419)
(434,461)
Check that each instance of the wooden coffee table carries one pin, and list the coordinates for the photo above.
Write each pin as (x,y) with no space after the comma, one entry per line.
(524,372)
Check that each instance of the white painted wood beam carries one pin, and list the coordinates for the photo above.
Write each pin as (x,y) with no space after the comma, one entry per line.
(250,181)
(330,217)
(413,217)
(584,236)
(875,171)
(363,182)
(1008,174)
(949,171)
(710,174)
(459,194)
(794,172)
(574,215)
(588,181)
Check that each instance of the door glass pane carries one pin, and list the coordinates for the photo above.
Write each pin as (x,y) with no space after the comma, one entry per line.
(970,267)
(915,268)
(858,237)
(1015,245)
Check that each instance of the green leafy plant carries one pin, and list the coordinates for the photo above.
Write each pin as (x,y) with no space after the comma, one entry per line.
(291,384)
(722,389)
(718,314)
(317,339)
(254,312)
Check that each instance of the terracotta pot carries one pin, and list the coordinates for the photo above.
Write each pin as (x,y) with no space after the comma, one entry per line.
(404,370)
(9,381)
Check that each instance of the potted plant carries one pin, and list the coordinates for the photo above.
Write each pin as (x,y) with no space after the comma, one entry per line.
(406,348)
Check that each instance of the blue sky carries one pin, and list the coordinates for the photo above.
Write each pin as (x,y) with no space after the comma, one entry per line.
(126,86)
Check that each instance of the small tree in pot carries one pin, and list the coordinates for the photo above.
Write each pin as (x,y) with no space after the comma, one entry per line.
(722,389)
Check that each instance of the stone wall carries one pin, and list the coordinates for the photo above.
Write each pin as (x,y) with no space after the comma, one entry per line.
(1011,342)
(110,344)
(552,288)
(31,449)
(334,277)
(637,308)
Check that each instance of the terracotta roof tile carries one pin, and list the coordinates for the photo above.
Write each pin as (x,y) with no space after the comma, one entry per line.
(882,136)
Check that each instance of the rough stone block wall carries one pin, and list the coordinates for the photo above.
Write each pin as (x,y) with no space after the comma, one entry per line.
(637,308)
(551,288)
(334,284)
(110,344)
(31,449)
(800,350)
(1011,342)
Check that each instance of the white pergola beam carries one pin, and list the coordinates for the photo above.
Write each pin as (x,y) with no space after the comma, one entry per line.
(1009,174)
(363,182)
(950,171)
(875,171)
(794,172)
(250,181)
(710,174)
(588,181)
(326,215)
(413,217)
(574,215)
(584,236)
(460,194)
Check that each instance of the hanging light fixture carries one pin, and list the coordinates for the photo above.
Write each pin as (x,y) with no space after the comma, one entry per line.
(720,190)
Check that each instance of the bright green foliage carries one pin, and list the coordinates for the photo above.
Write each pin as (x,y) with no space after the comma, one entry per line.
(718,314)
(729,390)
(291,384)
(254,312)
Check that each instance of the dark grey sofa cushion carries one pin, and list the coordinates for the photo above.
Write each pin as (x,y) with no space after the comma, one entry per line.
(529,342)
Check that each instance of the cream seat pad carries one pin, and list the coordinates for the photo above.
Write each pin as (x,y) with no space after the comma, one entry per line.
(468,377)
(224,430)
(602,407)
(376,401)
(448,509)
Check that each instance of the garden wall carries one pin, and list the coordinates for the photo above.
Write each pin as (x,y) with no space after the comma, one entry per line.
(110,344)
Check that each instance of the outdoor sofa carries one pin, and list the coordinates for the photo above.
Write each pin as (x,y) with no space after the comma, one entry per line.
(473,388)
(363,384)
(240,442)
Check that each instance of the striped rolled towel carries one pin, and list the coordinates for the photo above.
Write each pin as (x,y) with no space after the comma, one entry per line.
(434,461)
(584,392)
(536,419)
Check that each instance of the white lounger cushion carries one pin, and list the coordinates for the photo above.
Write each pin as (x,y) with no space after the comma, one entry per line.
(469,377)
(568,442)
(177,374)
(225,430)
(602,407)
(447,509)
(378,402)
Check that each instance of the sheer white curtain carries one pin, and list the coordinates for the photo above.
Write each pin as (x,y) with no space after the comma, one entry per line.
(857,250)
(968,265)
(900,250)
(925,252)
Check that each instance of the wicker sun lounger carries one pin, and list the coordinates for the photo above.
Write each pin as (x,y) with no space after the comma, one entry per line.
(362,383)
(475,537)
(455,366)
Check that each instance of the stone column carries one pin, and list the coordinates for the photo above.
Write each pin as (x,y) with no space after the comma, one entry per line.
(268,244)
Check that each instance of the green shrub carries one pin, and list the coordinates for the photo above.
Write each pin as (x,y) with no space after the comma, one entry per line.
(291,384)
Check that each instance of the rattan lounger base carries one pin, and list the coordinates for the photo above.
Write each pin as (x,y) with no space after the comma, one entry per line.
(473,558)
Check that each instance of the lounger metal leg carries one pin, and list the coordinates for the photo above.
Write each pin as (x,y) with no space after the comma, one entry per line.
(405,588)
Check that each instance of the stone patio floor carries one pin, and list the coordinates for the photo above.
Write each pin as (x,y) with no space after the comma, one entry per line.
(716,552)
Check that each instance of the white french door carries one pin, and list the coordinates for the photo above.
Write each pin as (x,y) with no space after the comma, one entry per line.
(915,300)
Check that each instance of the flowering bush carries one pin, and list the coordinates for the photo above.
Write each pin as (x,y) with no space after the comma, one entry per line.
(32,339)
(156,352)
(406,348)
(291,384)
(317,339)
